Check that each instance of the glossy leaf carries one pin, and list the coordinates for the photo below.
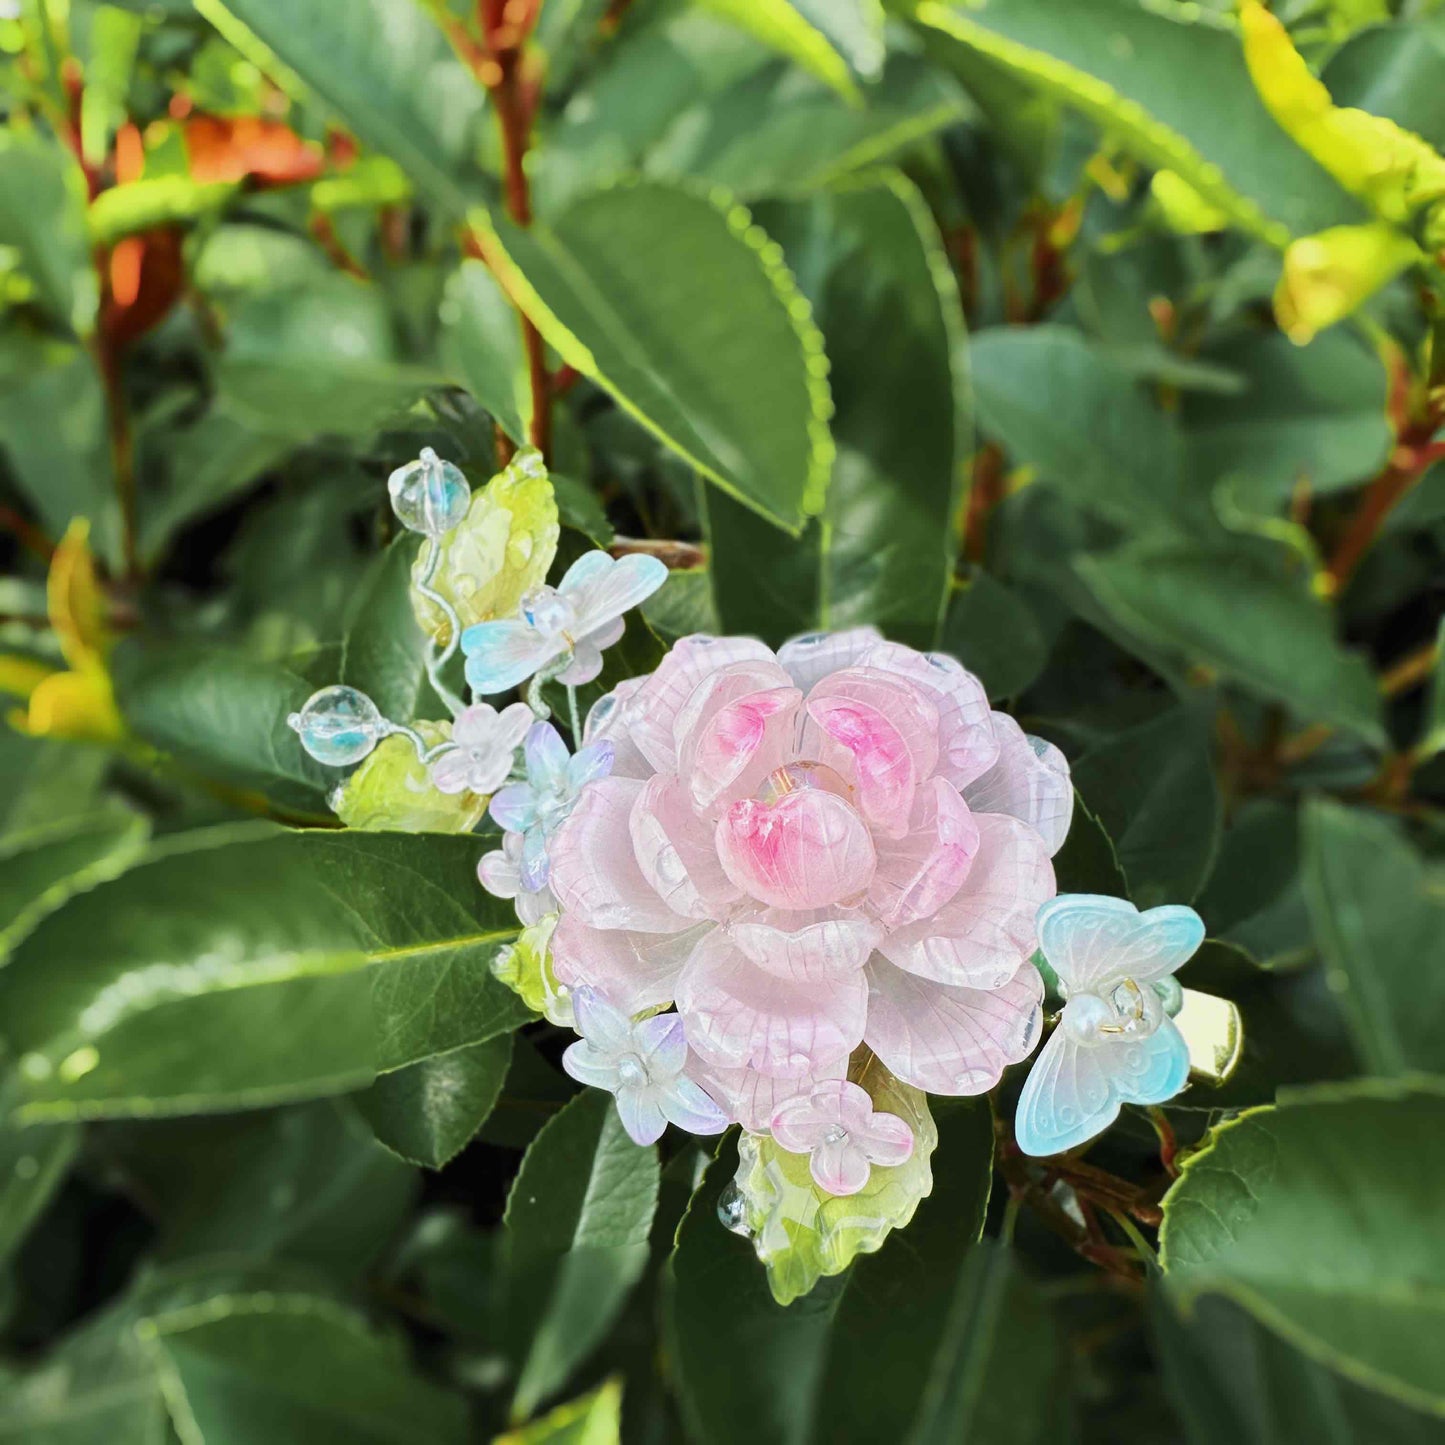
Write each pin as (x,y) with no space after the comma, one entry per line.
(1273,1215)
(273,966)
(482,340)
(991,631)
(33,1166)
(737,390)
(870,260)
(427,1112)
(788,28)
(1379,921)
(576,1240)
(595,1419)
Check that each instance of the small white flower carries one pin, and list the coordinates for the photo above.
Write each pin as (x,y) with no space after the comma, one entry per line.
(486,744)
(500,872)
(643,1065)
(835,1125)
(568,625)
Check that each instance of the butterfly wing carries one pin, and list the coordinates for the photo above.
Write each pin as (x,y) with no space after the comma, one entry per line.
(1074,1090)
(602,594)
(1090,939)
(501,655)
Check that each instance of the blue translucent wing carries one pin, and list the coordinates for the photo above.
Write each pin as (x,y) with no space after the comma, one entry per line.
(1090,940)
(501,655)
(606,593)
(585,571)
(1074,1090)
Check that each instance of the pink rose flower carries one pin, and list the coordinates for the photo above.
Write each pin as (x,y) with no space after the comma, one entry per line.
(804,852)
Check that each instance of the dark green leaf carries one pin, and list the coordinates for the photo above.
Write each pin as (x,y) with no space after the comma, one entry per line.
(1397,71)
(1317,1217)
(482,343)
(427,1112)
(869,259)
(577,1223)
(245,966)
(1153,789)
(33,1165)
(1088,862)
(384,651)
(991,631)
(1379,920)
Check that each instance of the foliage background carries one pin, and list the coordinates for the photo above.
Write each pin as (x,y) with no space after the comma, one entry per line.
(282,1160)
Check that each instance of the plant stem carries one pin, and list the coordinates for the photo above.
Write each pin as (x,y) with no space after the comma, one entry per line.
(27,534)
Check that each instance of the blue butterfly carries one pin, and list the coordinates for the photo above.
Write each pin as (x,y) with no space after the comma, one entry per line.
(1114,1043)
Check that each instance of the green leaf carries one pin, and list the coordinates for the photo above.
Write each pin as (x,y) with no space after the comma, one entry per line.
(1318,1218)
(428,1112)
(990,629)
(1379,920)
(1088,862)
(854,28)
(316,360)
(1432,740)
(224,712)
(307,1184)
(576,1226)
(1237,1384)
(1119,63)
(680,307)
(45,782)
(1311,416)
(595,1419)
(384,651)
(293,1370)
(1068,410)
(33,1166)
(869,258)
(821,1370)
(244,966)
(683,606)
(390,76)
(787,28)
(1238,611)
(481,343)
(42,214)
(1152,787)
(43,867)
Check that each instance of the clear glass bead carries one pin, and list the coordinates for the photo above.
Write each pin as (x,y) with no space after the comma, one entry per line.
(429,495)
(548,611)
(631,1070)
(339,726)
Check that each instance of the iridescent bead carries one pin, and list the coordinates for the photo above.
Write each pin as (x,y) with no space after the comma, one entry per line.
(339,726)
(429,495)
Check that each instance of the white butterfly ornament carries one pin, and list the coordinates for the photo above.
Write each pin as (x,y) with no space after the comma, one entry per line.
(1115,1043)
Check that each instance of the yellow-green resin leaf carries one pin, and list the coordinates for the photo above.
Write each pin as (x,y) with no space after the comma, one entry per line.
(802,1233)
(501,551)
(526,969)
(392,792)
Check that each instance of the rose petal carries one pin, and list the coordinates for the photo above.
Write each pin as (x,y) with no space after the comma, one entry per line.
(808,947)
(985,931)
(738,1016)
(738,743)
(1030,781)
(807,850)
(594,872)
(639,970)
(920,873)
(676,852)
(607,722)
(811,657)
(951,1040)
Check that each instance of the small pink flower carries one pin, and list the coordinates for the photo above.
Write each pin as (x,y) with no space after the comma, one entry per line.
(834,1124)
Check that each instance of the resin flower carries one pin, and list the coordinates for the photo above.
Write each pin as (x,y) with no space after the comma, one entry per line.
(643,1065)
(561,629)
(536,808)
(500,872)
(1115,1043)
(835,1125)
(486,743)
(831,846)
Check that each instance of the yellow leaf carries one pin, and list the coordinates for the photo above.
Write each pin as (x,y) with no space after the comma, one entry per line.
(1183,208)
(79,705)
(20,676)
(1391,168)
(74,599)
(393,792)
(1332,273)
(499,553)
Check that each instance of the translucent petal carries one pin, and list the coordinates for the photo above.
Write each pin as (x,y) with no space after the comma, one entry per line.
(607,1027)
(737,1016)
(807,850)
(502,655)
(590,763)
(589,1065)
(514,807)
(1030,781)
(951,1040)
(500,873)
(1074,1091)
(453,773)
(604,592)
(594,871)
(608,722)
(891,731)
(921,872)
(661,1044)
(639,1107)
(676,852)
(585,665)
(811,657)
(639,970)
(839,1166)
(691,1107)
(752,1097)
(1091,940)
(717,752)
(887,1140)
(808,947)
(546,757)
(983,933)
